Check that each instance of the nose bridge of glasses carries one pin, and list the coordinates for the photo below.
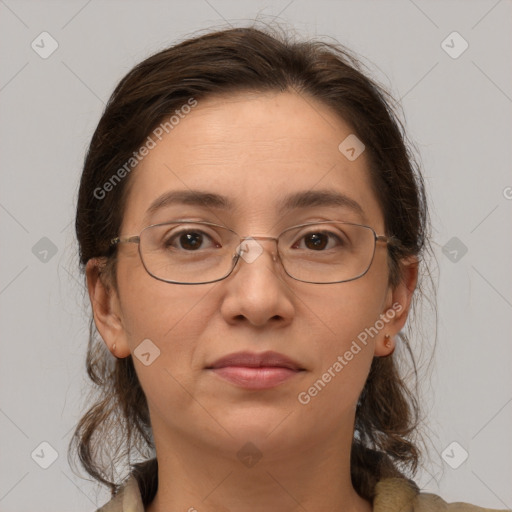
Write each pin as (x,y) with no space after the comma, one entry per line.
(249,247)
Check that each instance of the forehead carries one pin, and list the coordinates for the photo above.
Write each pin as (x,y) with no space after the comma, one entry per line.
(254,149)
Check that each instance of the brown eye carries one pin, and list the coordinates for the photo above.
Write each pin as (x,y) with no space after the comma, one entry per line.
(320,241)
(187,240)
(316,241)
(191,241)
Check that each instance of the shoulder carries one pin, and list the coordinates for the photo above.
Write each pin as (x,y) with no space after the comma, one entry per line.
(128,499)
(392,494)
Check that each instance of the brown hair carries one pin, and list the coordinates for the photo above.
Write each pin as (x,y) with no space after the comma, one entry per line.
(228,61)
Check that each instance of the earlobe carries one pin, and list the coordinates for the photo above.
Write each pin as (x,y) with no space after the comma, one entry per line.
(389,347)
(385,345)
(106,310)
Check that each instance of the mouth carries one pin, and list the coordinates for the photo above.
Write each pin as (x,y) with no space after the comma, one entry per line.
(256,371)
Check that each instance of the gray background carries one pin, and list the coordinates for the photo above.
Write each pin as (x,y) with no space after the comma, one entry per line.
(457,112)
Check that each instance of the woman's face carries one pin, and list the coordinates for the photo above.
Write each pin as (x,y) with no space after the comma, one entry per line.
(255,150)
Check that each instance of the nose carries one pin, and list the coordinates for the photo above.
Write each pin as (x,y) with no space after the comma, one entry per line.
(250,249)
(257,291)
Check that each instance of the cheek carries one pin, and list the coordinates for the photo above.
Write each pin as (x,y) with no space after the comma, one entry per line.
(163,325)
(342,368)
(349,309)
(346,324)
(171,316)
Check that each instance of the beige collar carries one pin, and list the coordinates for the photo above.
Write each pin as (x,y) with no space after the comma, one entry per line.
(394,495)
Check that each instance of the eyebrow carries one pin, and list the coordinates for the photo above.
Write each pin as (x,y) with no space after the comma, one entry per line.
(298,200)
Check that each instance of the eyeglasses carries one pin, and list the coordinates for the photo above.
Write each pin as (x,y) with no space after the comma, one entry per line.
(324,252)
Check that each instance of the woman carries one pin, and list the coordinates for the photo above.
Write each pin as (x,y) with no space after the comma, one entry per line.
(251,227)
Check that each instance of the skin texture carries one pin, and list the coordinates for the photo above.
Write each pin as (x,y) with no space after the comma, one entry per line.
(253,148)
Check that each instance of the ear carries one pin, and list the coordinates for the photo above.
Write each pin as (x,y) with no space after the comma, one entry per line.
(106,308)
(397,306)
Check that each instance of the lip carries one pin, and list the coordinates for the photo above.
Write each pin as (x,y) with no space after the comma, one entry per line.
(256,371)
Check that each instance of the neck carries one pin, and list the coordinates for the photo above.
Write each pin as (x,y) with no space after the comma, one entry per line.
(194,477)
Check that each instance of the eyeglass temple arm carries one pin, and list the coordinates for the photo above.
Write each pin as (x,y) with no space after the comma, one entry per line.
(391,240)
(125,239)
